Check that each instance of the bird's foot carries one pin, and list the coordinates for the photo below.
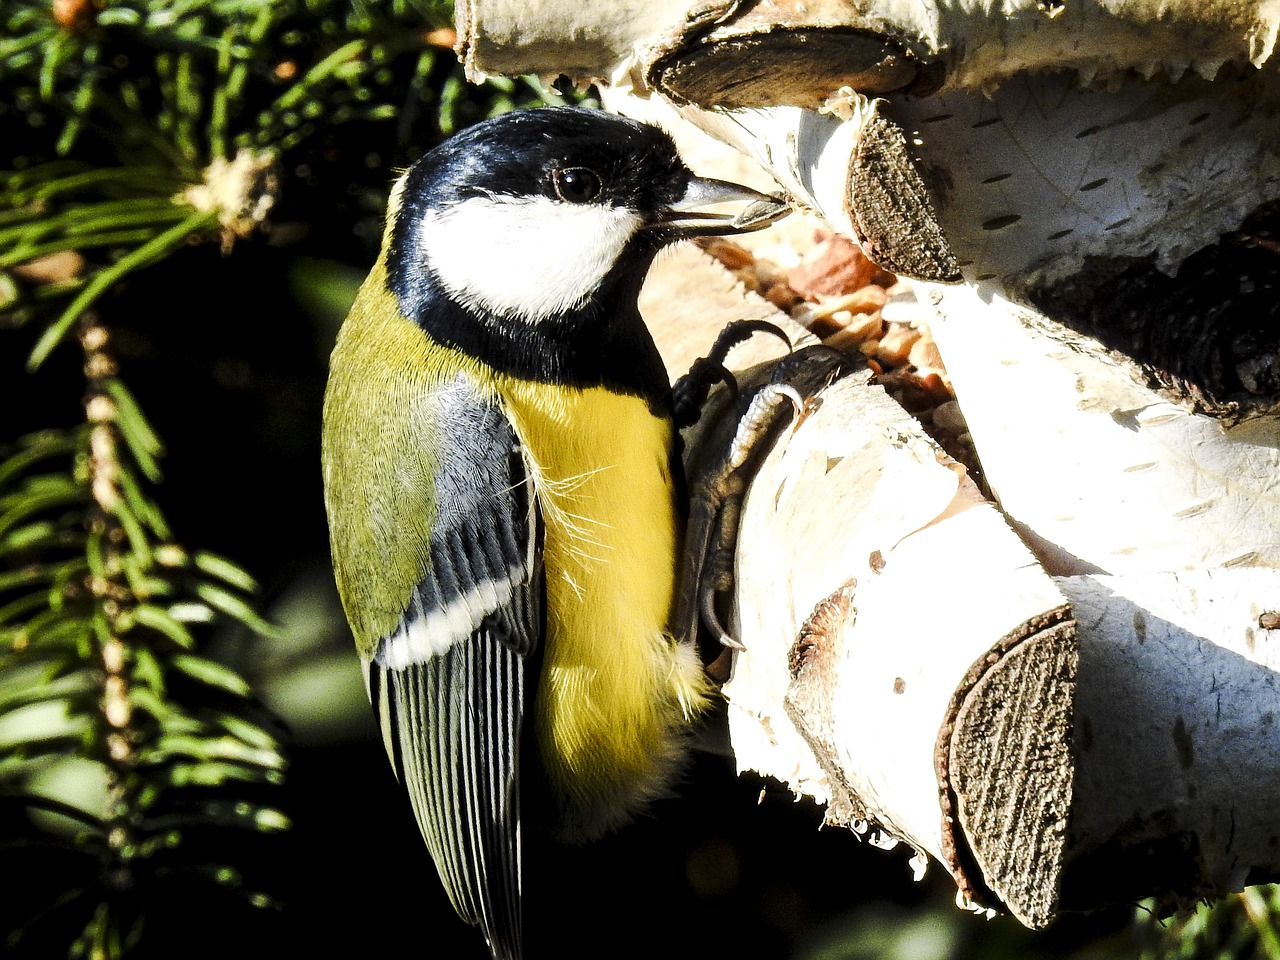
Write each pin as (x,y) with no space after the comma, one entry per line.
(690,392)
(783,396)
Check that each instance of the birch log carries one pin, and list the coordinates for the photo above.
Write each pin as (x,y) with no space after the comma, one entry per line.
(921,702)
(930,699)
(1105,476)
(792,52)
(1164,520)
(1137,484)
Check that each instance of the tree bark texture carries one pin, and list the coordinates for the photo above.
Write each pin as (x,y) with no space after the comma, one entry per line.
(789,52)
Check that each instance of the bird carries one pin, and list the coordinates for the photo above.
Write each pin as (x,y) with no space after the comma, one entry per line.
(504,492)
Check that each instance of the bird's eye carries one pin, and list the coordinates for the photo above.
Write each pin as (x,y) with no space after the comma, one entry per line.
(575,184)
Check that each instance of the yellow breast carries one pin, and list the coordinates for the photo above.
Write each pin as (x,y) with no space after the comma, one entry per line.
(616,693)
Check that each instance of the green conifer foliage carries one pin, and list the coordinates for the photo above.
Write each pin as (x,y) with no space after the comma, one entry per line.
(131,130)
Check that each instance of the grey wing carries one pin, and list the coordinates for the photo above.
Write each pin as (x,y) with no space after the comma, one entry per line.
(448,684)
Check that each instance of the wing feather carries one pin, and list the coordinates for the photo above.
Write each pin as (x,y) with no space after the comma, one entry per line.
(448,684)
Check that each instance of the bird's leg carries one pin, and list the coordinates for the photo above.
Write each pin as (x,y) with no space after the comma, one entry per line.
(719,486)
(725,488)
(690,392)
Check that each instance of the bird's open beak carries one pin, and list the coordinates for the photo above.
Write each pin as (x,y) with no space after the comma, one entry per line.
(687,218)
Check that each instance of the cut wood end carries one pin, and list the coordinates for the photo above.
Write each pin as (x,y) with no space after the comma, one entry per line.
(1006,772)
(890,206)
(782,67)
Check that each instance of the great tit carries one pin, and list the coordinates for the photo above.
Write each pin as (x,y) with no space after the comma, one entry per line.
(503,489)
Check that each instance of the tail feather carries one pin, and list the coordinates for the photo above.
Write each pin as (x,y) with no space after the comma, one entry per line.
(452,728)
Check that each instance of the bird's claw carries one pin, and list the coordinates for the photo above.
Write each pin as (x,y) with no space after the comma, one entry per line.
(719,488)
(691,390)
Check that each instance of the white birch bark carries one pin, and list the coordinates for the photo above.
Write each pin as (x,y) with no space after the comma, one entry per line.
(975,44)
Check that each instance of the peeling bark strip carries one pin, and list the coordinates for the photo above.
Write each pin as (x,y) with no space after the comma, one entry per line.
(1005,769)
(813,661)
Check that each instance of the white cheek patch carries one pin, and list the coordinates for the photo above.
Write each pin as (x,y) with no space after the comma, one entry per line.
(527,257)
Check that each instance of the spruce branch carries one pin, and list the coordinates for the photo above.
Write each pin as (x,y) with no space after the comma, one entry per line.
(98,657)
(172,119)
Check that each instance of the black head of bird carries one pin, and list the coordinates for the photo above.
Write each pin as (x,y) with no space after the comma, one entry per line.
(502,484)
(546,218)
